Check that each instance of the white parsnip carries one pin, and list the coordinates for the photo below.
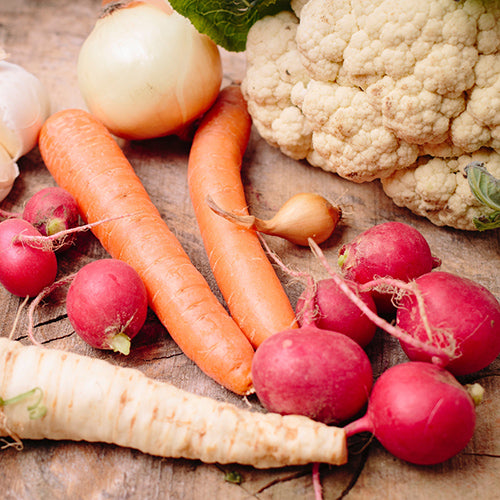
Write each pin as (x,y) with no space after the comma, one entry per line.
(93,400)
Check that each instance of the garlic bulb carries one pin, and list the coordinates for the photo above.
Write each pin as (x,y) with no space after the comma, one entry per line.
(24,106)
(8,173)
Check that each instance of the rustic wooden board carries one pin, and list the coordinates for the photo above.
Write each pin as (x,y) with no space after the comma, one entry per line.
(45,37)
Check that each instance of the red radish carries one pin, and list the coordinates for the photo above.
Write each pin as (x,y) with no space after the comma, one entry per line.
(439,354)
(107,304)
(24,270)
(466,310)
(329,308)
(307,371)
(52,210)
(390,249)
(419,413)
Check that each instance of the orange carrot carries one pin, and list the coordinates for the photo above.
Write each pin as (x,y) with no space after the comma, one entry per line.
(246,278)
(84,159)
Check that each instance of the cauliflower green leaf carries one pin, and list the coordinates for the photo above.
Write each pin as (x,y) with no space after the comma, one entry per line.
(227,22)
(486,188)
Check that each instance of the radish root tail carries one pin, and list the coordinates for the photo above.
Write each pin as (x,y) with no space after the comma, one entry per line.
(56,241)
(316,478)
(18,315)
(36,301)
(306,314)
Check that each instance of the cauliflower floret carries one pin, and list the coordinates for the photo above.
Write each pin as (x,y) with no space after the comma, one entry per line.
(413,113)
(438,189)
(414,59)
(484,99)
(349,133)
(274,69)
(363,88)
(323,36)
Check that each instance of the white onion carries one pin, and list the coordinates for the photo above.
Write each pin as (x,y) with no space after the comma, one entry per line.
(146,72)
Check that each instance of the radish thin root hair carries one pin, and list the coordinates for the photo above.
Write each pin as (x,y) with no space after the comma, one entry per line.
(309,311)
(400,288)
(36,301)
(18,315)
(383,284)
(438,336)
(307,314)
(9,215)
(5,429)
(56,241)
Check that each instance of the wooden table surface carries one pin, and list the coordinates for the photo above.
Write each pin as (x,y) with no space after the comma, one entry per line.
(45,37)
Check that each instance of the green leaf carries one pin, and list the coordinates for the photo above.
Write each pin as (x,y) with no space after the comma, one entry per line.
(36,410)
(227,22)
(233,477)
(486,188)
(485,222)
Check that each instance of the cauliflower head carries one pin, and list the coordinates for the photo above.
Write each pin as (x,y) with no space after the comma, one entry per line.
(377,89)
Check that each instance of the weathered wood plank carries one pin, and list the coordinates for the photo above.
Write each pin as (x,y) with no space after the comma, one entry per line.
(45,38)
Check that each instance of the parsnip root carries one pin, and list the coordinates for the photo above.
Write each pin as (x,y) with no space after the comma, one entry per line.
(93,400)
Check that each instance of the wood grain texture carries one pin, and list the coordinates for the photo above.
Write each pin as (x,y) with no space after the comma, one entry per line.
(45,37)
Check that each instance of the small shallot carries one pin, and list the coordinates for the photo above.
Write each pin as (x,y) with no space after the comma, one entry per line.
(303,216)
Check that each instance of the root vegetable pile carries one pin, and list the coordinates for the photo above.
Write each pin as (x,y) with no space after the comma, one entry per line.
(308,368)
(418,410)
(84,158)
(28,240)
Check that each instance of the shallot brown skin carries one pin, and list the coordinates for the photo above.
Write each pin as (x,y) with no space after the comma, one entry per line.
(303,216)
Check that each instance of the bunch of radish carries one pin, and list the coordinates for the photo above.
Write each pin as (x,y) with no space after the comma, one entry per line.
(106,302)
(417,410)
(29,241)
